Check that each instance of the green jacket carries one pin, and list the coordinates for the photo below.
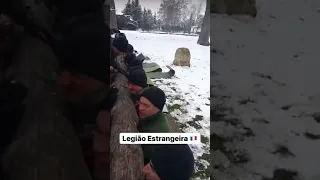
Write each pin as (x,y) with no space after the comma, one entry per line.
(157,123)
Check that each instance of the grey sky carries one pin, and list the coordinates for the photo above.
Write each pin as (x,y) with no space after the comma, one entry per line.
(150,4)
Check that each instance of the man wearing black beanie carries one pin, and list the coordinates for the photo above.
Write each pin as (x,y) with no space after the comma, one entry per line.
(137,80)
(130,49)
(120,42)
(170,162)
(152,120)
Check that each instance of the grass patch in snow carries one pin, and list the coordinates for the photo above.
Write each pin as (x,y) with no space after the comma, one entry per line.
(202,162)
(205,140)
(173,107)
(203,171)
(195,122)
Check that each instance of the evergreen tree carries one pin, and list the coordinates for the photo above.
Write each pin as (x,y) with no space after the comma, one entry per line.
(143,19)
(149,19)
(170,12)
(127,8)
(136,11)
(155,18)
(155,21)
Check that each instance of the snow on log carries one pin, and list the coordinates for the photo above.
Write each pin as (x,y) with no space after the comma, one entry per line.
(46,147)
(126,160)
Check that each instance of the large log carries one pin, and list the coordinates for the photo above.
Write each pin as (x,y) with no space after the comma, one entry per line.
(126,160)
(46,147)
(110,13)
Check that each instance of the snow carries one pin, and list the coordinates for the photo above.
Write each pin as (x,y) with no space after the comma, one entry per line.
(189,89)
(273,61)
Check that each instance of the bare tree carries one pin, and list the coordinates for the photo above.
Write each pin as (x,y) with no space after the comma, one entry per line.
(205,28)
(170,11)
(198,9)
(184,18)
(191,15)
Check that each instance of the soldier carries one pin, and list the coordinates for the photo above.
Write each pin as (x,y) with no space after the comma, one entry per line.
(152,119)
(170,162)
(137,80)
(120,43)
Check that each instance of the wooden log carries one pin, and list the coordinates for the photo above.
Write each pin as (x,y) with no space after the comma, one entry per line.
(110,14)
(46,147)
(126,160)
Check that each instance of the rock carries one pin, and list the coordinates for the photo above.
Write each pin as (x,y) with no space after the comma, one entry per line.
(232,7)
(182,57)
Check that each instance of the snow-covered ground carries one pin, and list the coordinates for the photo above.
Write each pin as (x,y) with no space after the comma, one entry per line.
(265,90)
(188,92)
(175,33)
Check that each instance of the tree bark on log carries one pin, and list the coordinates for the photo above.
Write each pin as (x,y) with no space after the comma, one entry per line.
(46,147)
(126,160)
(110,13)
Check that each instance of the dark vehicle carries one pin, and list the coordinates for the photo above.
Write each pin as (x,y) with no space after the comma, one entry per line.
(126,22)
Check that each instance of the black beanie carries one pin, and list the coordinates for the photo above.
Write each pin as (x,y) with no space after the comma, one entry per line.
(173,162)
(156,96)
(135,63)
(130,49)
(121,43)
(86,49)
(138,77)
(129,57)
(120,34)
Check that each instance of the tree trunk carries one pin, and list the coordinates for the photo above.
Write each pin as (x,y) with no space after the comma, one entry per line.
(205,28)
(126,160)
(110,11)
(46,147)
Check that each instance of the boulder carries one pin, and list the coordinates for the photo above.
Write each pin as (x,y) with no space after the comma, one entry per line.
(182,57)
